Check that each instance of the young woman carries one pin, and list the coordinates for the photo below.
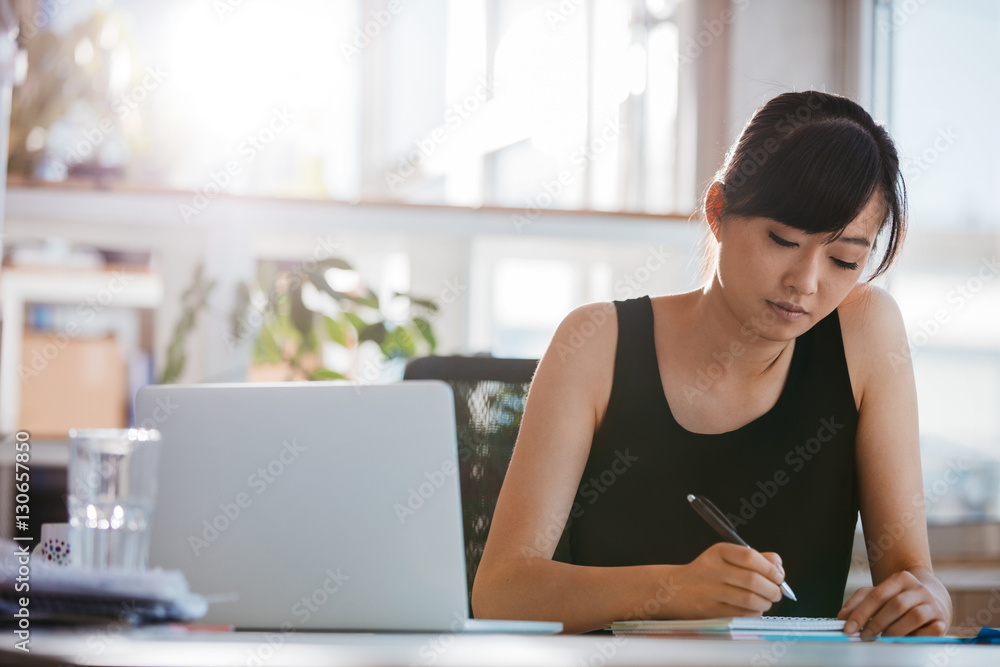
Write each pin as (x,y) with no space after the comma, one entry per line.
(780,390)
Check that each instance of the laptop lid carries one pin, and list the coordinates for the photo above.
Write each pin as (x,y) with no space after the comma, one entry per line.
(323,506)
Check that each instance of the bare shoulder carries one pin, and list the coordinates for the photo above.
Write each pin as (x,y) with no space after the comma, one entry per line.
(582,353)
(874,336)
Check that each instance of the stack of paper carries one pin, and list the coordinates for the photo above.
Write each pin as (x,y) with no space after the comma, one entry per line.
(68,593)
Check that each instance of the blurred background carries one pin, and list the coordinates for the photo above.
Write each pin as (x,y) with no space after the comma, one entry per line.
(230,190)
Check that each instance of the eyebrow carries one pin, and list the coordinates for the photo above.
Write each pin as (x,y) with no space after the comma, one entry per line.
(856,240)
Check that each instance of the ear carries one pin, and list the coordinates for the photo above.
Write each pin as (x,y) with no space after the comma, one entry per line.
(714,204)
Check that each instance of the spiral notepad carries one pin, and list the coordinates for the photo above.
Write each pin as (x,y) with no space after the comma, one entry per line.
(731,626)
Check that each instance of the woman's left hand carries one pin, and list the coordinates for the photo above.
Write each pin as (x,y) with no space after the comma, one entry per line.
(906,603)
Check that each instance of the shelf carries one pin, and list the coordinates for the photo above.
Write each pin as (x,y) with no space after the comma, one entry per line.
(125,287)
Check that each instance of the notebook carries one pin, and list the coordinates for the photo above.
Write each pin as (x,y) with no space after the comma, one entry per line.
(315,505)
(740,627)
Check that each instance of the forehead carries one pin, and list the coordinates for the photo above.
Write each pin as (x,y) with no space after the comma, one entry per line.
(867,223)
(864,226)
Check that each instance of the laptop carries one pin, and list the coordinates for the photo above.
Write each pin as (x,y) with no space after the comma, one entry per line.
(315,505)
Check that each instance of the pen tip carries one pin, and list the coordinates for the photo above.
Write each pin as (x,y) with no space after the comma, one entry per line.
(690,498)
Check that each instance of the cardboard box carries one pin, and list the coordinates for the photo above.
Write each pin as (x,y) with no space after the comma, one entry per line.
(71,383)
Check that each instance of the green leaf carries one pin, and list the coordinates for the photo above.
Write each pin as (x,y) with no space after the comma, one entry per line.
(302,317)
(356,322)
(325,374)
(375,332)
(241,310)
(423,303)
(399,343)
(335,331)
(369,299)
(193,299)
(425,329)
(267,347)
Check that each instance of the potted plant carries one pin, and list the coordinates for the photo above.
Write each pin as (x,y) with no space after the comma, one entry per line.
(325,324)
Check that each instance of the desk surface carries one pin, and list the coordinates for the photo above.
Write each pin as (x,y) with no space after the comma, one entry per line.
(162,649)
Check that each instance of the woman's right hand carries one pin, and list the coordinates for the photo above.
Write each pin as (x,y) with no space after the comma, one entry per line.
(730,580)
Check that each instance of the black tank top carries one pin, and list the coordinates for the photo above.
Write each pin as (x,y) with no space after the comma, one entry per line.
(786,479)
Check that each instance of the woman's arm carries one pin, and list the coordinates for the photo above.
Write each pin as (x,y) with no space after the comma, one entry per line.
(907,597)
(517,578)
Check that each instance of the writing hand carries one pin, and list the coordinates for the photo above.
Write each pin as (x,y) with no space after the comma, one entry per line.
(731,580)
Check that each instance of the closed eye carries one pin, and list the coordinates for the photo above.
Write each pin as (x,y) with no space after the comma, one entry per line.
(780,241)
(850,266)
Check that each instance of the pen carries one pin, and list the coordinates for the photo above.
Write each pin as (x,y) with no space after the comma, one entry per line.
(724,527)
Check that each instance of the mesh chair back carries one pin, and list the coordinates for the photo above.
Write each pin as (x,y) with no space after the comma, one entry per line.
(489,399)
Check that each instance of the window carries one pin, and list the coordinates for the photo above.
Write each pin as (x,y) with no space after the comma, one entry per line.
(514,103)
(942,113)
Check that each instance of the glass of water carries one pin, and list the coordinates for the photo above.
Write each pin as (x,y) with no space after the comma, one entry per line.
(112,493)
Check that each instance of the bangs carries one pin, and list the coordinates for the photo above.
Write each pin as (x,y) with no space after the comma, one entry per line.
(818,179)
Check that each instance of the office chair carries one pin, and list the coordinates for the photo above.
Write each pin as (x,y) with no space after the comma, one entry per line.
(489,398)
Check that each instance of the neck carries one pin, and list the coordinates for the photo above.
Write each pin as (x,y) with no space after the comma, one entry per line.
(722,338)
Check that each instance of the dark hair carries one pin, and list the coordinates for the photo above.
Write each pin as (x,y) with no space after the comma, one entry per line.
(813,161)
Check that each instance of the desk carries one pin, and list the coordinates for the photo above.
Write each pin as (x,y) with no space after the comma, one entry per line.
(159,648)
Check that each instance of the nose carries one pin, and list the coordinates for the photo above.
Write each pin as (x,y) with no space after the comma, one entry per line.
(803,275)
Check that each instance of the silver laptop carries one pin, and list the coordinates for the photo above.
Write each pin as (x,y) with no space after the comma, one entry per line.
(315,506)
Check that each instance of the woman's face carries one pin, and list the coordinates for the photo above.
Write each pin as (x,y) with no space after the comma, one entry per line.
(764,265)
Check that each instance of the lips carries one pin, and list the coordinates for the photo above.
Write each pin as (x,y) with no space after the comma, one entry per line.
(785,311)
(789,306)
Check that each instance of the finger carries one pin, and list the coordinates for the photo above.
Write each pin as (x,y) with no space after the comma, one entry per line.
(892,611)
(871,604)
(935,628)
(853,602)
(752,559)
(744,599)
(725,609)
(915,618)
(774,558)
(753,582)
